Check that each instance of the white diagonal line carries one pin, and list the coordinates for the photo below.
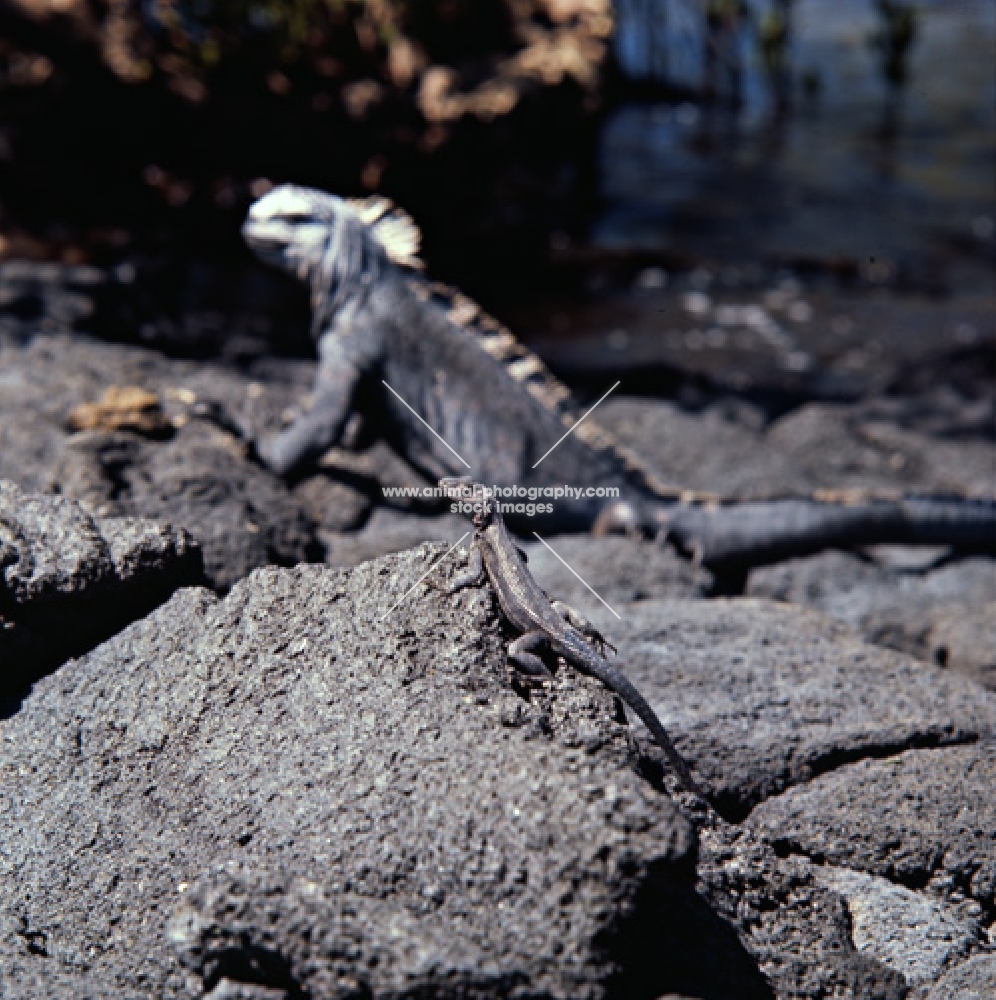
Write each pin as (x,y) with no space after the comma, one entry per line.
(426,573)
(570,431)
(571,568)
(431,430)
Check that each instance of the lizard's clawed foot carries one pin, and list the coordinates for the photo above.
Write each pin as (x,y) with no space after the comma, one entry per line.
(578,621)
(527,681)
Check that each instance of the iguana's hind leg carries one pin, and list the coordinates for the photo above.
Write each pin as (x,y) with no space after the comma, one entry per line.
(531,668)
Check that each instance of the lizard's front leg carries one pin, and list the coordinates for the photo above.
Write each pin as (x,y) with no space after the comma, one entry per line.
(531,668)
(471,575)
(576,620)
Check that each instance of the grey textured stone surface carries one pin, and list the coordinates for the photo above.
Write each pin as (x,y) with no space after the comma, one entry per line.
(922,817)
(620,569)
(711,451)
(285,793)
(285,789)
(388,531)
(908,931)
(798,931)
(199,478)
(69,580)
(942,614)
(972,980)
(872,444)
(760,696)
(848,445)
(965,639)
(337,506)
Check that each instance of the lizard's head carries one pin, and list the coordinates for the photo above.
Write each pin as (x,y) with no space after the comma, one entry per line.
(464,489)
(485,516)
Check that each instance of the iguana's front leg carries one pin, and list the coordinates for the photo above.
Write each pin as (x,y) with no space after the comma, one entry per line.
(316,431)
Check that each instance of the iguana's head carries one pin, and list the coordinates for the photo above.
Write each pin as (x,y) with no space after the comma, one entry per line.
(335,245)
(292,227)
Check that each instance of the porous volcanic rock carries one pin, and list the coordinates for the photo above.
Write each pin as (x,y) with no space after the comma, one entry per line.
(761,696)
(709,451)
(846,446)
(922,817)
(387,531)
(323,785)
(972,980)
(69,580)
(965,639)
(913,933)
(617,567)
(199,477)
(797,929)
(301,788)
(944,614)
(726,449)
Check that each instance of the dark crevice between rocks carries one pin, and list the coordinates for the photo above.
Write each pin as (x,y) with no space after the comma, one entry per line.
(35,941)
(256,966)
(786,847)
(36,639)
(736,809)
(674,943)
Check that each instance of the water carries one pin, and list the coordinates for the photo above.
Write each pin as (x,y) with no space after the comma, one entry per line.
(843,249)
(837,179)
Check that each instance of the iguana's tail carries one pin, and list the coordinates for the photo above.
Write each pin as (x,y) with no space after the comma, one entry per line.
(738,535)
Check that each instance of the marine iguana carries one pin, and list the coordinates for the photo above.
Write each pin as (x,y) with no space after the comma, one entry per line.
(388,337)
(540,621)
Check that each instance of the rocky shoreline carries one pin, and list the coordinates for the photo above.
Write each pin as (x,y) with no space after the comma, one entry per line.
(252,786)
(268,789)
(248,753)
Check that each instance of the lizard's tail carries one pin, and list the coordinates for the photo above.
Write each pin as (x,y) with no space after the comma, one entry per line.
(754,533)
(620,683)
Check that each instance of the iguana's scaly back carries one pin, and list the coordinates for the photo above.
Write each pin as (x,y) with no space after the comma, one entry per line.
(340,246)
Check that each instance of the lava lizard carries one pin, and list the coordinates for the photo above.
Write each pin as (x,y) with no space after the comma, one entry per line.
(540,621)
